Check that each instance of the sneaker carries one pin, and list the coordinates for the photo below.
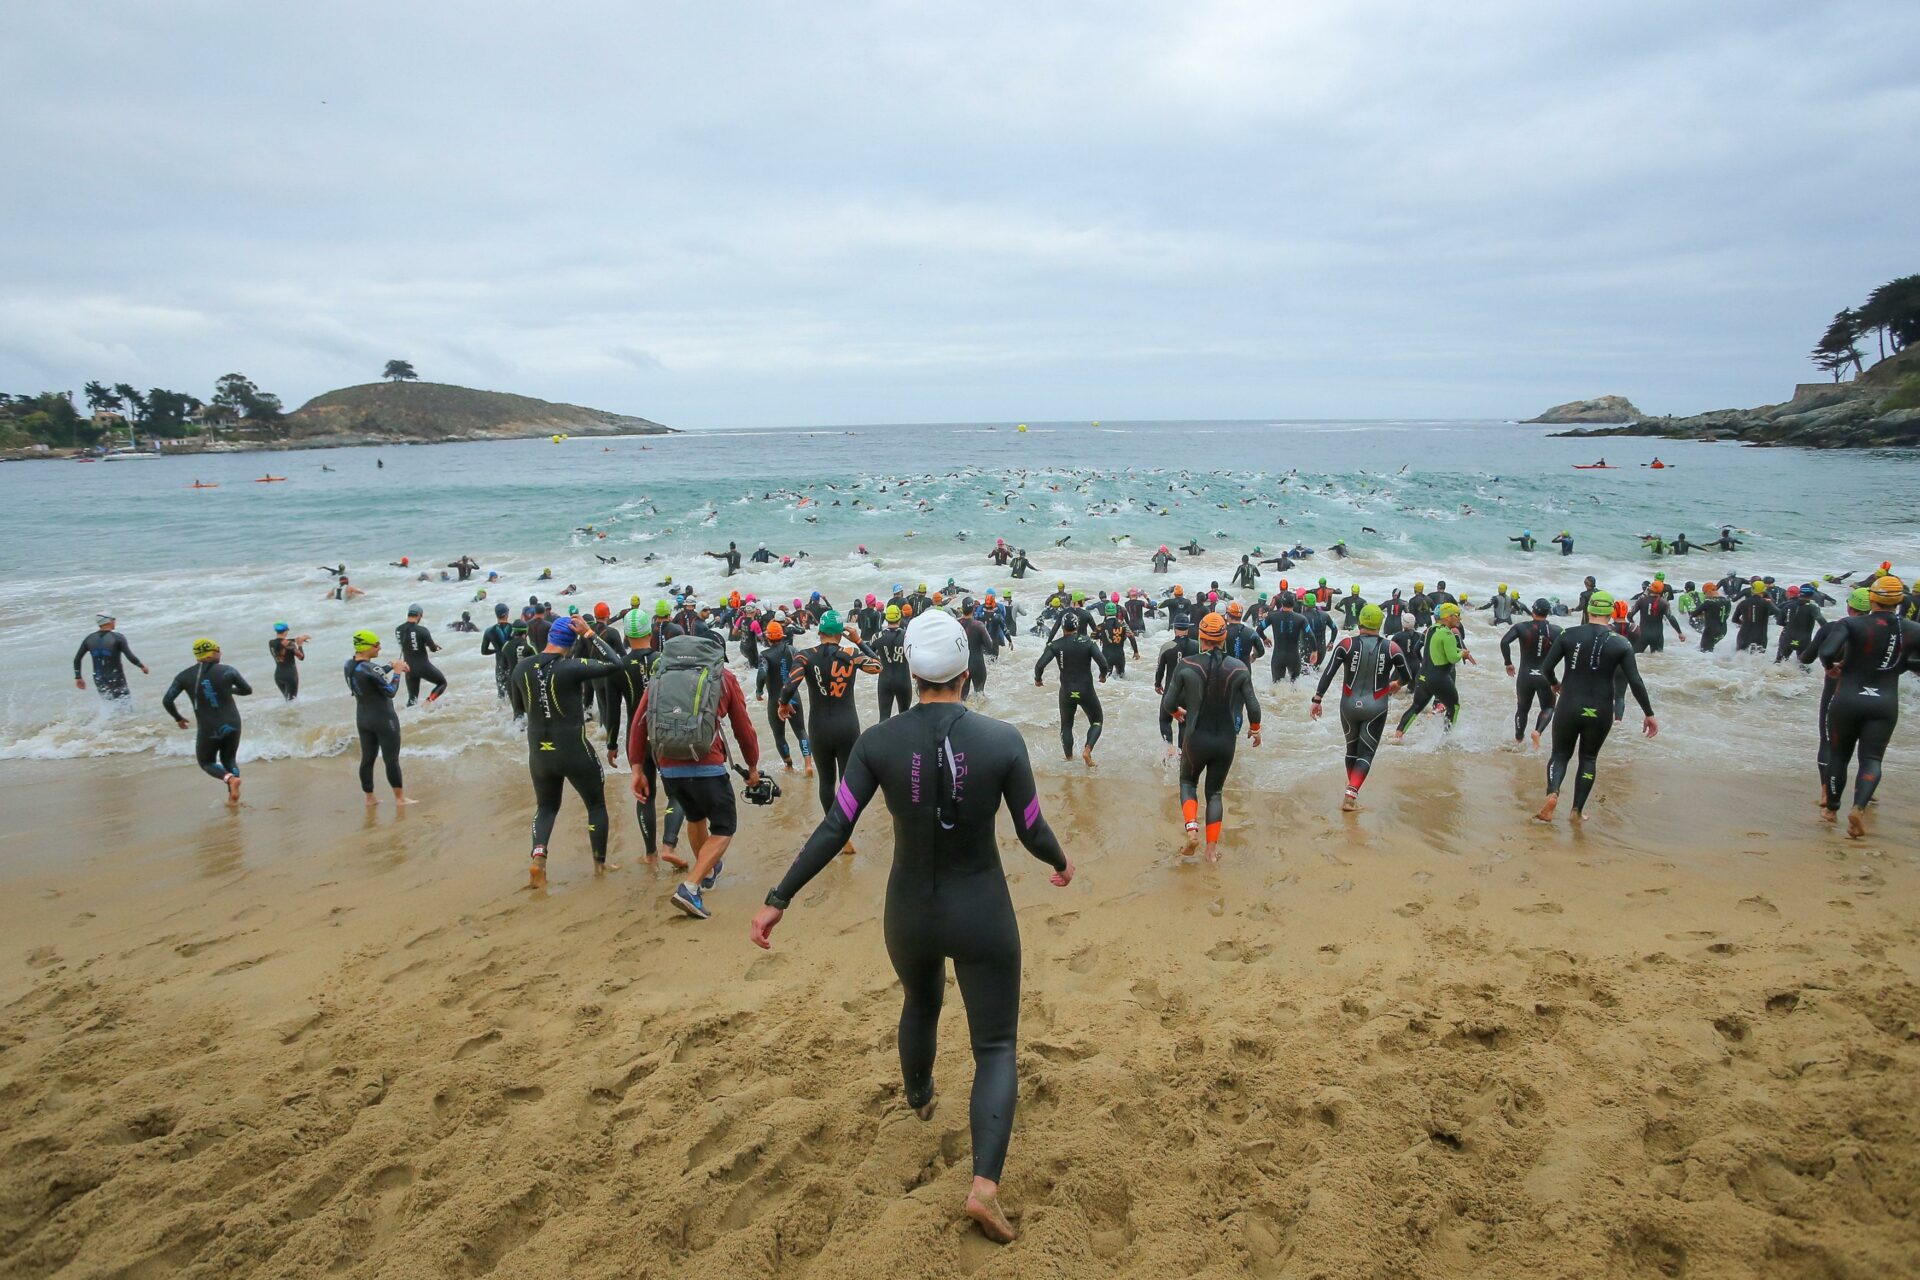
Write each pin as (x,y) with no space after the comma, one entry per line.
(711,878)
(689,901)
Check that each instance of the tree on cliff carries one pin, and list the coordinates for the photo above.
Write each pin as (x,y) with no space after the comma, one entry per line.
(1838,347)
(400,371)
(1894,310)
(237,392)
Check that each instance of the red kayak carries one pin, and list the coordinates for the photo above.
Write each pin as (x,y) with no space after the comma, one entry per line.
(269,479)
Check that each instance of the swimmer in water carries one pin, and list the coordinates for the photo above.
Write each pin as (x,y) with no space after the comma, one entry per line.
(106,646)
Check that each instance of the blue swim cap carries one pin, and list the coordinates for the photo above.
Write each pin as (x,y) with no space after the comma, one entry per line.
(279,626)
(562,632)
(500,611)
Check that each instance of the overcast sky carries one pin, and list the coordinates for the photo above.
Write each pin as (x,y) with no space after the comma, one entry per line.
(743,214)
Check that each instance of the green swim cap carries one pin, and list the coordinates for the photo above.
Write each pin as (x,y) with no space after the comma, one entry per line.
(1323,582)
(830,624)
(1356,589)
(1113,610)
(365,640)
(634,629)
(1659,577)
(1371,617)
(1078,596)
(661,608)
(893,613)
(1600,605)
(1860,600)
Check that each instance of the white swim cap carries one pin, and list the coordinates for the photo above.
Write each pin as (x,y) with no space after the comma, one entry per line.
(936,646)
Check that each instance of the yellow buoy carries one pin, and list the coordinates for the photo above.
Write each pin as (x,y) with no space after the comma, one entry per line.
(1021,427)
(1096,422)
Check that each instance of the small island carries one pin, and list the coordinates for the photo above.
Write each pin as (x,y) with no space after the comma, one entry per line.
(1877,408)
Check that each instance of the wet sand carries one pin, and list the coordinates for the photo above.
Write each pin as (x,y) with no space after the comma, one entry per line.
(1434,1039)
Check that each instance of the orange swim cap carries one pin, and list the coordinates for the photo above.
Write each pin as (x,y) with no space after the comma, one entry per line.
(1213,627)
(1233,610)
(775,632)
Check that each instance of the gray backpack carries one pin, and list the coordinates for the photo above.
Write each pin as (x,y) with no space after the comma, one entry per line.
(683,699)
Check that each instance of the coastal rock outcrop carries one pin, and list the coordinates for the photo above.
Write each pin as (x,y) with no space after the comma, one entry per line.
(1603,409)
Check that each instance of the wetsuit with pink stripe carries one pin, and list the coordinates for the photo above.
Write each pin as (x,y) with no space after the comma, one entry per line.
(946,771)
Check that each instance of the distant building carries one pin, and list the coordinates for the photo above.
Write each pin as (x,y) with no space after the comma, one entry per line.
(108,419)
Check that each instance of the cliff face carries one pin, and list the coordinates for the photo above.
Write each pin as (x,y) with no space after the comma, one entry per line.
(1604,409)
(1879,410)
(428,412)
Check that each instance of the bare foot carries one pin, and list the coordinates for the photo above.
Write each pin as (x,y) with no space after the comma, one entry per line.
(233,788)
(603,866)
(649,859)
(1535,735)
(1350,803)
(673,860)
(1087,755)
(1856,823)
(372,803)
(1577,816)
(1828,815)
(1213,854)
(1399,737)
(537,871)
(983,1206)
(787,765)
(1546,810)
(809,766)
(1193,841)
(399,799)
(848,850)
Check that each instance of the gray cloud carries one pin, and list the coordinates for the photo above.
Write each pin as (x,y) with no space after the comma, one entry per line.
(894,211)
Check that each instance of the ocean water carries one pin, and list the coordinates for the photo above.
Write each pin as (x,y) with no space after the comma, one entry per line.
(1441,499)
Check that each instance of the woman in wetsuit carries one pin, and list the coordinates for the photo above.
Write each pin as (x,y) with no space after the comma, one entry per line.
(776,665)
(288,653)
(373,684)
(1077,655)
(1376,668)
(550,690)
(890,646)
(828,669)
(1868,654)
(1584,714)
(1207,694)
(947,893)
(211,686)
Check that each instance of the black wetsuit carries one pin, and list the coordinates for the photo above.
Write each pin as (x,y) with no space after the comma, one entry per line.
(106,648)
(1583,716)
(1535,637)
(628,684)
(286,655)
(1077,656)
(1370,664)
(946,771)
(1170,654)
(550,689)
(498,641)
(833,718)
(776,664)
(1713,614)
(979,645)
(1216,690)
(1871,652)
(1349,610)
(1752,615)
(1653,615)
(1244,643)
(211,687)
(895,681)
(1801,619)
(373,687)
(1289,630)
(416,646)
(1115,635)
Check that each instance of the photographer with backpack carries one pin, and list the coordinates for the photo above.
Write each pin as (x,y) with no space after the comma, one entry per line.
(677,725)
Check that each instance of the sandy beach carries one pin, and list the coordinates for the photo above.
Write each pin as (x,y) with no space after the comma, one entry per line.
(1431,1040)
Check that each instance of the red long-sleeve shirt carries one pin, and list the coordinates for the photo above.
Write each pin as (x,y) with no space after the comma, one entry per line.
(733,709)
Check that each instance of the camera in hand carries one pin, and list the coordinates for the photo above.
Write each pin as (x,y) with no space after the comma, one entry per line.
(765,791)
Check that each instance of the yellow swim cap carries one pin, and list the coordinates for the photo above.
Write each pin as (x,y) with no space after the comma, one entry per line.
(203,647)
(364,640)
(1503,588)
(1449,612)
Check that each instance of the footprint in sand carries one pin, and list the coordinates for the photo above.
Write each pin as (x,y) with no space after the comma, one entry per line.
(1083,959)
(1758,904)
(1542,908)
(476,1044)
(1234,950)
